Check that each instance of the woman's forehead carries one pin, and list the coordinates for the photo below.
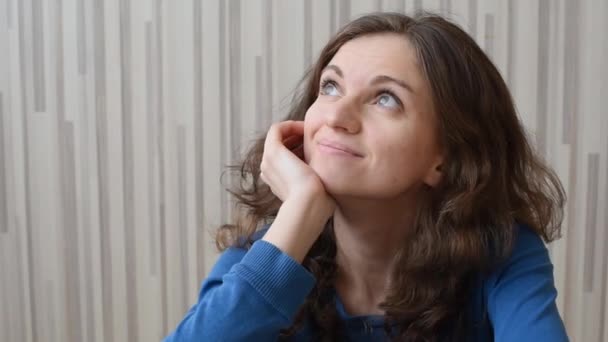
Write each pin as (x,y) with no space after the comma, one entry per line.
(370,55)
(365,59)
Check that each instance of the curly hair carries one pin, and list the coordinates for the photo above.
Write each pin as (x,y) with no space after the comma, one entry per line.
(492,180)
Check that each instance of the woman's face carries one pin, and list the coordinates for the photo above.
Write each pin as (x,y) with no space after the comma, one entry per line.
(372,131)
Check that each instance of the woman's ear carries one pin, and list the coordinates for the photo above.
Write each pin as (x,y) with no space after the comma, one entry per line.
(435,174)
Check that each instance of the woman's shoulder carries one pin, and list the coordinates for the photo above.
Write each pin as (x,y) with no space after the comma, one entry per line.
(526,238)
(528,251)
(527,247)
(525,275)
(520,293)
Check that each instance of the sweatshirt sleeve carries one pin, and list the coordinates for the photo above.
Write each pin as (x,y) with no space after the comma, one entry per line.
(248,296)
(521,297)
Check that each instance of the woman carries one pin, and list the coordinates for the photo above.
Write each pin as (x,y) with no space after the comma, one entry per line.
(404,203)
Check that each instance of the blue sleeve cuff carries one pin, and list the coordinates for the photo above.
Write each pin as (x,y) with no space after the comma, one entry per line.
(281,280)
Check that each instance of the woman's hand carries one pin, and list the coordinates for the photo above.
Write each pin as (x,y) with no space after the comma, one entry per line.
(306,205)
(283,167)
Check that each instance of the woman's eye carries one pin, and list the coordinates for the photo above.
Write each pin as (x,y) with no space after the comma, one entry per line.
(388,100)
(329,88)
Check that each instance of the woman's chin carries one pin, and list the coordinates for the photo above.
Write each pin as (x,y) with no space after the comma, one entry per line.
(337,180)
(338,186)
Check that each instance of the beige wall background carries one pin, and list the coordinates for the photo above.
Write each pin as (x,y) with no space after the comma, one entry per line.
(117,116)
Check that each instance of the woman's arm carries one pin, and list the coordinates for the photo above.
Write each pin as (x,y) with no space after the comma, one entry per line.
(248,296)
(254,298)
(521,297)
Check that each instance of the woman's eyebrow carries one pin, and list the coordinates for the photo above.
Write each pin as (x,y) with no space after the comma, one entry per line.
(376,80)
(385,78)
(335,68)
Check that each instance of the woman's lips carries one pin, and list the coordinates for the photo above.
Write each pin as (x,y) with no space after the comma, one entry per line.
(334,147)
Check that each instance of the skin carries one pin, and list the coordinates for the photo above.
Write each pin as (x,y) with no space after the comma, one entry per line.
(372,190)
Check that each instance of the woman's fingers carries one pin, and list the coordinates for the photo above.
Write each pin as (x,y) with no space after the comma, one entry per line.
(289,134)
(282,167)
(299,151)
(282,130)
(293,141)
(288,128)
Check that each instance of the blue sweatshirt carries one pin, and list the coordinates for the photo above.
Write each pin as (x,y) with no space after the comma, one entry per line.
(250,295)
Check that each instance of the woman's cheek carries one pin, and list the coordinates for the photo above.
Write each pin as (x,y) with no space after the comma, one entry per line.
(312,123)
(307,146)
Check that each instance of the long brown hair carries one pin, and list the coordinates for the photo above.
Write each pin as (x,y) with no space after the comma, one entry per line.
(492,180)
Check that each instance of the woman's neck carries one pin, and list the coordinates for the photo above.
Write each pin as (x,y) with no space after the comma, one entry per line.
(368,235)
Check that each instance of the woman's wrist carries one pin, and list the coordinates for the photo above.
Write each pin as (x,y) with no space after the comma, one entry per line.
(298,224)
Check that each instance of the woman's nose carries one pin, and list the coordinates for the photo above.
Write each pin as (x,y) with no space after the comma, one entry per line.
(344,115)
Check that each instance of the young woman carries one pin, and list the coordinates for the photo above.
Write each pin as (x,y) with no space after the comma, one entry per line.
(400,200)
